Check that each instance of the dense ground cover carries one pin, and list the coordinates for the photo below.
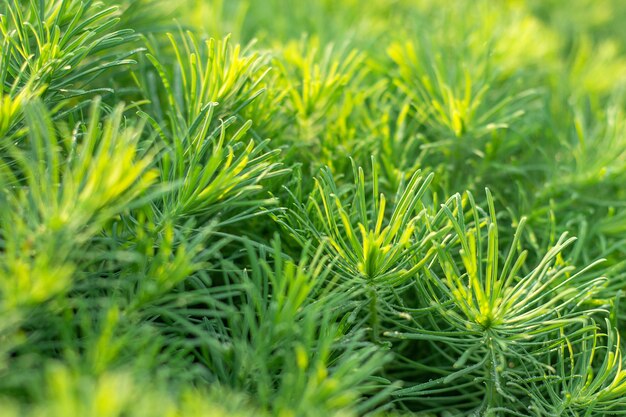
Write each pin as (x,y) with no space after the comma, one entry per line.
(324,208)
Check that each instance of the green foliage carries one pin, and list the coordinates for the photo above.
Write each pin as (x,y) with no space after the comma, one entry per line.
(278,208)
(57,199)
(490,316)
(365,243)
(57,50)
(587,377)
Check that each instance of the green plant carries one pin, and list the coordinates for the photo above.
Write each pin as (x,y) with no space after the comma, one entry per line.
(242,208)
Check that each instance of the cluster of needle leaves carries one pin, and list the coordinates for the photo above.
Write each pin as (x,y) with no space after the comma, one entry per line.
(302,209)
